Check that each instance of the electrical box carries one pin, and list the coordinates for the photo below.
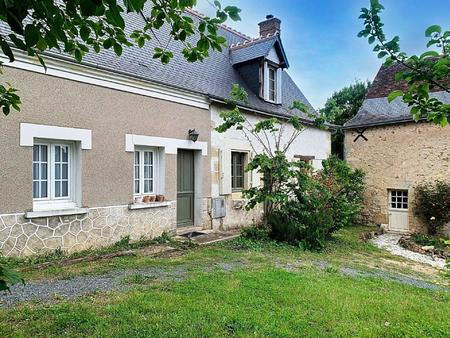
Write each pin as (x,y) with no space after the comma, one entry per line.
(219,209)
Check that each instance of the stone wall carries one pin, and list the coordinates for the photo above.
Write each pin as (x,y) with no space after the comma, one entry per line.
(398,157)
(100,227)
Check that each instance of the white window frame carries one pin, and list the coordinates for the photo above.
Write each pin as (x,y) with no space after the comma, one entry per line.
(155,167)
(402,199)
(51,202)
(277,72)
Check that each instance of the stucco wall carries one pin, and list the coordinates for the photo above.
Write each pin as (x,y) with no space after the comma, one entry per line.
(398,157)
(311,142)
(107,169)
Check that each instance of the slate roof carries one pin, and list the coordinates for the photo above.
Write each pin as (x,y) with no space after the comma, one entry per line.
(376,110)
(258,48)
(213,77)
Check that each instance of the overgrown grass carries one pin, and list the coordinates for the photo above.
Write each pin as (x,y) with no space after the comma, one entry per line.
(439,242)
(254,301)
(256,298)
(123,244)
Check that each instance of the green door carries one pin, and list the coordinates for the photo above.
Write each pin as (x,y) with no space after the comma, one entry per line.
(185,188)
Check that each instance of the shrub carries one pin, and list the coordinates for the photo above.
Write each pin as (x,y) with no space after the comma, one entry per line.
(319,204)
(432,204)
(256,232)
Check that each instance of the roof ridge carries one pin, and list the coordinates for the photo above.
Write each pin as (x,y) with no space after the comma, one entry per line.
(253,41)
(227,28)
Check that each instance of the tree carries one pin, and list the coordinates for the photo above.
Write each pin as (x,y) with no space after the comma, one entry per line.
(270,145)
(79,27)
(341,107)
(429,71)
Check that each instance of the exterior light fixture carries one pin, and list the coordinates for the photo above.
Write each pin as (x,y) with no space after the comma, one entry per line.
(193,135)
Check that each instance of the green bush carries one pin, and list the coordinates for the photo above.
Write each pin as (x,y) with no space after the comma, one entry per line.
(427,240)
(319,204)
(432,204)
(256,232)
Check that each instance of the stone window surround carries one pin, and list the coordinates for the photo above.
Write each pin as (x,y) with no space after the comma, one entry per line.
(31,133)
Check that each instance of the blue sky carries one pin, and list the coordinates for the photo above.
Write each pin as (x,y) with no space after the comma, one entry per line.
(320,36)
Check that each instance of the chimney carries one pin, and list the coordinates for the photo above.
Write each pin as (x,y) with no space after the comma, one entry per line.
(271,26)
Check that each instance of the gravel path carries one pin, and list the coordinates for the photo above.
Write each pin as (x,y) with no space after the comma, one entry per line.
(389,242)
(352,272)
(48,291)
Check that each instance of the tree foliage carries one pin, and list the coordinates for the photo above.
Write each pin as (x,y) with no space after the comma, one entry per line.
(341,107)
(422,74)
(270,144)
(78,27)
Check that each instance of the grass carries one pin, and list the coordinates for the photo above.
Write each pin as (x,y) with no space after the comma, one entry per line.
(256,298)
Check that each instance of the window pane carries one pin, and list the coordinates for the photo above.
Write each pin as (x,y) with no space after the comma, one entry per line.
(43,189)
(146,172)
(57,188)
(35,171)
(57,154)
(65,154)
(65,171)
(44,171)
(65,189)
(35,189)
(136,157)
(146,186)
(36,153)
(43,153)
(57,171)
(136,172)
(136,186)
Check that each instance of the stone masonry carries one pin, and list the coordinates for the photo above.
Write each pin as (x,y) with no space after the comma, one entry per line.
(101,226)
(398,157)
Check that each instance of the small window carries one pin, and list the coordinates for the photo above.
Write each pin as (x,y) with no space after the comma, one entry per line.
(272,84)
(52,172)
(306,159)
(238,170)
(398,199)
(144,172)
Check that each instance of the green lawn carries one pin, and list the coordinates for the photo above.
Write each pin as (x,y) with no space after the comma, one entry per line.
(258,297)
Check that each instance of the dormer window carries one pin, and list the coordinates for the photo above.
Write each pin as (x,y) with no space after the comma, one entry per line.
(271,84)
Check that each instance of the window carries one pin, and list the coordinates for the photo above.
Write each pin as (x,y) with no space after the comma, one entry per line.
(144,172)
(272,84)
(52,169)
(398,199)
(237,170)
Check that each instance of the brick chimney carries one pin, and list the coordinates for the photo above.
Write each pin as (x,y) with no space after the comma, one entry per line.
(270,26)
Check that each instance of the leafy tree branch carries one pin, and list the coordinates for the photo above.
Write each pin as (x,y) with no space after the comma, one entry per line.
(425,73)
(79,27)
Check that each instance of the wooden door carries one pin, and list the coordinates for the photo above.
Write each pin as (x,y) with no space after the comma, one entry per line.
(398,211)
(185,188)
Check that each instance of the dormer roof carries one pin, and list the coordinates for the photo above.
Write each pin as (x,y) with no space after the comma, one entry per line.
(258,48)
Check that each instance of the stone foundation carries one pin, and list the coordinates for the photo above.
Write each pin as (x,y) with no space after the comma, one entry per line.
(237,216)
(100,227)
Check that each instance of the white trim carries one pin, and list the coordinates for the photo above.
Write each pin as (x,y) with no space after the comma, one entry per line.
(266,81)
(138,206)
(51,213)
(29,132)
(87,74)
(279,86)
(171,145)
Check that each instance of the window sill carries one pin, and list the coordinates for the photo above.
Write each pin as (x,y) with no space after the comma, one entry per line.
(51,213)
(137,206)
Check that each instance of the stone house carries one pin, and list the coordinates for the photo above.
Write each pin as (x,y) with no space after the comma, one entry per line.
(126,146)
(395,152)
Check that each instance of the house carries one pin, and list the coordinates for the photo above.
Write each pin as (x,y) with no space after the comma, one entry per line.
(395,152)
(96,140)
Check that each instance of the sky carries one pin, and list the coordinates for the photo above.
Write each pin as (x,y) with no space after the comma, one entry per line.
(319,36)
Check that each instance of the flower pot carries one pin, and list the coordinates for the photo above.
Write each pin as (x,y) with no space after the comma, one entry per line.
(146,199)
(160,198)
(152,199)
